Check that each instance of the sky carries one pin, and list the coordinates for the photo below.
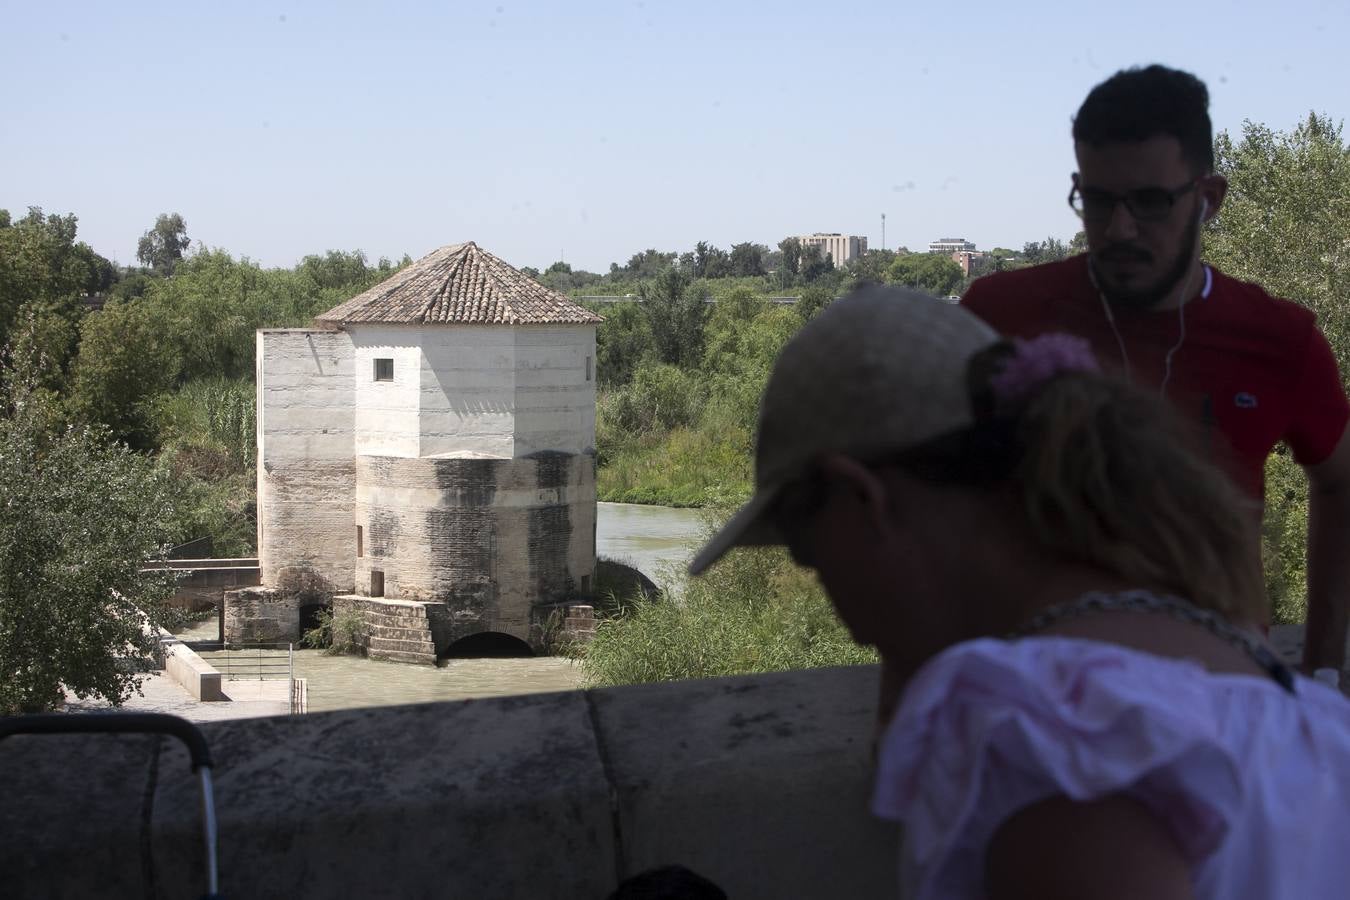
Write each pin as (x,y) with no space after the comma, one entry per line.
(589,131)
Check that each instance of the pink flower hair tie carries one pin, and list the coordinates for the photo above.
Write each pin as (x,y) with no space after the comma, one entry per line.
(1038,360)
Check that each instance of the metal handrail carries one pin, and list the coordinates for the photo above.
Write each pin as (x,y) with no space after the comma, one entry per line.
(264,663)
(138,723)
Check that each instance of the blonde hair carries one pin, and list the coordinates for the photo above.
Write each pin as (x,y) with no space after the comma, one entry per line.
(1111,476)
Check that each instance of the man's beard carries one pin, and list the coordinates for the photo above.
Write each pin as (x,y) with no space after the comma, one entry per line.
(1149,297)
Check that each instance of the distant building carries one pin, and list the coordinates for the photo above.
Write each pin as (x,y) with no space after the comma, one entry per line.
(426,456)
(842,248)
(971,263)
(948,246)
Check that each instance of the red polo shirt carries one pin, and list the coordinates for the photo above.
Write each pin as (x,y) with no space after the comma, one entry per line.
(1253,367)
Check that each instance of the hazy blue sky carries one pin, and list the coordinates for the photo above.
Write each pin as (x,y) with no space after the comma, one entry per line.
(595,130)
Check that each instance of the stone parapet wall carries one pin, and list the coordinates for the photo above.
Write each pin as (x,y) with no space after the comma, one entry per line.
(761,783)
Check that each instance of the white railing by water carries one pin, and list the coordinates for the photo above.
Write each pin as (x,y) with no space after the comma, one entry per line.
(265,662)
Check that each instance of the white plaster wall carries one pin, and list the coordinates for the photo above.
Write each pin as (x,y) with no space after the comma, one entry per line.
(468,386)
(555,402)
(387,411)
(306,465)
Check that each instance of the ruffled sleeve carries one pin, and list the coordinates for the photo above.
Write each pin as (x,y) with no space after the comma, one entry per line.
(990,727)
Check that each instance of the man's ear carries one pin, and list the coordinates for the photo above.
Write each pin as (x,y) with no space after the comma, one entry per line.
(1213,188)
(860,484)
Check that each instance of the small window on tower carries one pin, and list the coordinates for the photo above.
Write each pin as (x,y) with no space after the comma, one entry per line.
(588,368)
(384,370)
(360,542)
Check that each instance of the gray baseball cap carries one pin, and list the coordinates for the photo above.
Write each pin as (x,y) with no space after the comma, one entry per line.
(880,370)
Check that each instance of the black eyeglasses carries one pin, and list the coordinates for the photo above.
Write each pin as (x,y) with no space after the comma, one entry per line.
(1145,204)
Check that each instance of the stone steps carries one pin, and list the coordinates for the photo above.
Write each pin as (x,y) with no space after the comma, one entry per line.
(396,612)
(412,643)
(398,631)
(402,656)
(376,619)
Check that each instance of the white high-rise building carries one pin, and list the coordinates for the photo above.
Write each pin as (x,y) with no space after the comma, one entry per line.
(842,248)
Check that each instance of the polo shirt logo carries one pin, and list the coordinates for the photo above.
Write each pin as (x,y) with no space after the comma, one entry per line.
(1244,400)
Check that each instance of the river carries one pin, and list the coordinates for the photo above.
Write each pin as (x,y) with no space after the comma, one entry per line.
(657,540)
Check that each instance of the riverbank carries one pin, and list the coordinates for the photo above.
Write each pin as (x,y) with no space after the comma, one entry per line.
(684,468)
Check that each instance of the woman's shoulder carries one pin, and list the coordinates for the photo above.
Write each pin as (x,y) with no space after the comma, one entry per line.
(990,726)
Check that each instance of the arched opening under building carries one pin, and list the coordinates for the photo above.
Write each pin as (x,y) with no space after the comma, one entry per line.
(309,616)
(491,644)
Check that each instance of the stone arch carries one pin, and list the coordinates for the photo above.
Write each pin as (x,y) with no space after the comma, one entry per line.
(487,643)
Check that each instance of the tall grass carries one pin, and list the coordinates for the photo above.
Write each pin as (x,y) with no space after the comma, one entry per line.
(753,612)
(211,414)
(209,442)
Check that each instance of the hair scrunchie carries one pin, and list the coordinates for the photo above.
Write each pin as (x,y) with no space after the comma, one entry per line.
(1035,362)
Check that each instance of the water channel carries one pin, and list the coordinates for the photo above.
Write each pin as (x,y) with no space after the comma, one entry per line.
(657,540)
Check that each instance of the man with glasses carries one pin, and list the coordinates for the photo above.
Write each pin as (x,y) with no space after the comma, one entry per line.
(1254,369)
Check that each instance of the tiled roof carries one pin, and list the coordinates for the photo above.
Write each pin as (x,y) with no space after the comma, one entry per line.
(461,284)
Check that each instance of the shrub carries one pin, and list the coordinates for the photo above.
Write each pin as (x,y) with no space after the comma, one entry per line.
(337,633)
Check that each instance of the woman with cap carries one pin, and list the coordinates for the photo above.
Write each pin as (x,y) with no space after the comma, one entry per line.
(1063,589)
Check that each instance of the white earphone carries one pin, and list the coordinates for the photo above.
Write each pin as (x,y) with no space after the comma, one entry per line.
(1181,317)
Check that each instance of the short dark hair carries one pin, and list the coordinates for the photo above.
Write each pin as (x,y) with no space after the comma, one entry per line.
(1140,103)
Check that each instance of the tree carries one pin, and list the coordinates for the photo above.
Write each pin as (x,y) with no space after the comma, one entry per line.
(930,272)
(162,246)
(747,259)
(710,262)
(1049,250)
(813,299)
(41,263)
(1283,225)
(647,264)
(82,517)
(622,341)
(791,249)
(675,316)
(1286,217)
(127,356)
(872,265)
(815,264)
(741,303)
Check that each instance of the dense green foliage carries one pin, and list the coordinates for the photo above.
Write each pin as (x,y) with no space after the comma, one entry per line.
(81,517)
(336,632)
(1284,225)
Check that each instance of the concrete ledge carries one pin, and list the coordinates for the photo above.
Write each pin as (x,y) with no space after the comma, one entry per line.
(759,782)
(195,674)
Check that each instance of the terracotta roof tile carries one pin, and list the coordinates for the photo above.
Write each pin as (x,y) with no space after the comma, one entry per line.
(461,284)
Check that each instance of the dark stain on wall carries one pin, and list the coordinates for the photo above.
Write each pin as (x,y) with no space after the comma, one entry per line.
(462,543)
(553,467)
(550,535)
(467,482)
(382,533)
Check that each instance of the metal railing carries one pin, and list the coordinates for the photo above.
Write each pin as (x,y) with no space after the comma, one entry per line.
(264,662)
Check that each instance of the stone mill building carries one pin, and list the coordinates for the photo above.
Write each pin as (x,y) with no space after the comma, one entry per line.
(426,456)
